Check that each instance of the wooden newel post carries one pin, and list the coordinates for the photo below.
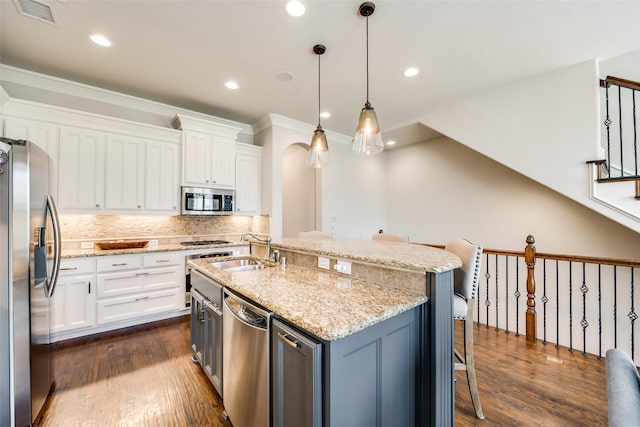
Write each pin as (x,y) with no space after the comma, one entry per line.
(530,259)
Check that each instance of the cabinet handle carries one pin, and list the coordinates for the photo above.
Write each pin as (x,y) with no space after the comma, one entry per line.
(141,298)
(89,287)
(163,260)
(68,268)
(142,274)
(290,342)
(119,264)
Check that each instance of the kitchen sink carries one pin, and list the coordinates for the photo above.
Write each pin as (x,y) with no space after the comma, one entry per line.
(238,263)
(250,267)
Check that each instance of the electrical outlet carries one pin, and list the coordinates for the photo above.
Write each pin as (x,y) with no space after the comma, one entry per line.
(86,245)
(153,243)
(323,263)
(343,267)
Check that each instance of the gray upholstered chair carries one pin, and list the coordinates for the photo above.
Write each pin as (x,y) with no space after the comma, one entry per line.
(465,283)
(623,389)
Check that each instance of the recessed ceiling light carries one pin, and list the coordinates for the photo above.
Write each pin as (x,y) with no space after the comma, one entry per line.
(391,143)
(410,72)
(325,115)
(100,40)
(295,8)
(231,85)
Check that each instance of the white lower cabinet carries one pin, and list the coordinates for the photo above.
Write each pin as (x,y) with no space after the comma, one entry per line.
(102,293)
(74,298)
(130,286)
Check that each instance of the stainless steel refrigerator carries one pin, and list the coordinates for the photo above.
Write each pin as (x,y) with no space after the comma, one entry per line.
(29,263)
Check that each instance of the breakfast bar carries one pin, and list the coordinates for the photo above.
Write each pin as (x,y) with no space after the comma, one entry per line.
(382,312)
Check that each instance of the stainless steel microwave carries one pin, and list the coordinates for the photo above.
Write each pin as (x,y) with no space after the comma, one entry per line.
(206,201)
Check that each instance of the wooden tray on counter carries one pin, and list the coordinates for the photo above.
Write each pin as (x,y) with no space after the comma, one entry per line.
(122,244)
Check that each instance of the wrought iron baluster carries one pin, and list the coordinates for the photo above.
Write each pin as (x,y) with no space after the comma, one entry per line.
(544,301)
(497,296)
(633,316)
(557,306)
(599,311)
(517,295)
(506,292)
(570,306)
(620,127)
(607,123)
(584,323)
(487,302)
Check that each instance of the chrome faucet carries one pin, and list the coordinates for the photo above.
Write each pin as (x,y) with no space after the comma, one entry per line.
(267,240)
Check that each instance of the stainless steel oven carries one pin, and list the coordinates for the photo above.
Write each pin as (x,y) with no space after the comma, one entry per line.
(206,201)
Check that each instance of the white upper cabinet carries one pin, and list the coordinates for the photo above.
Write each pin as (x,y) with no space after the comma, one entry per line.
(81,176)
(124,172)
(208,152)
(101,164)
(44,135)
(248,179)
(162,180)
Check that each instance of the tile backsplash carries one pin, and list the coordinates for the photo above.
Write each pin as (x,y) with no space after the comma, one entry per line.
(77,227)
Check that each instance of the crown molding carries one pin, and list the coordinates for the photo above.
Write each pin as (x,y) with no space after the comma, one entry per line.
(67,87)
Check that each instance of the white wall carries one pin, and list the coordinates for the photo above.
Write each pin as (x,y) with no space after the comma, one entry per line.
(441,189)
(546,127)
(352,188)
(298,192)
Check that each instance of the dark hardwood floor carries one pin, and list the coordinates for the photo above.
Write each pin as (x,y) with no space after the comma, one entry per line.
(144,377)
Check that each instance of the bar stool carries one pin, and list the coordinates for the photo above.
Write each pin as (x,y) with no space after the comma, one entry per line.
(465,284)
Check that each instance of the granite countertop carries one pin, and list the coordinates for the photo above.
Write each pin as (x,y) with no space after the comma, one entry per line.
(379,252)
(329,306)
(79,253)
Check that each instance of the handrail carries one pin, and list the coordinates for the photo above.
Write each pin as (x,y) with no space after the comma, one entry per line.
(618,81)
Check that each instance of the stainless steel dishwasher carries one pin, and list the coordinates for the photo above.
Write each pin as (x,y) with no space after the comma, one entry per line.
(245,362)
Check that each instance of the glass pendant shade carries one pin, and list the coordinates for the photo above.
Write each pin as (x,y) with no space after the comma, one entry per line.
(319,149)
(368,139)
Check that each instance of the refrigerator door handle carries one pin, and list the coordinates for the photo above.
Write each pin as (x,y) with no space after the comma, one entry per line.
(51,210)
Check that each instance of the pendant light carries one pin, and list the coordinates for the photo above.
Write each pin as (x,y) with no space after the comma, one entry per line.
(318,149)
(368,139)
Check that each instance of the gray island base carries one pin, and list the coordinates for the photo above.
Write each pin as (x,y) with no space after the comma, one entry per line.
(373,348)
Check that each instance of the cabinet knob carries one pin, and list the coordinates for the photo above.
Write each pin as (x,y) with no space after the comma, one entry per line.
(214,181)
(97,205)
(206,180)
(139,206)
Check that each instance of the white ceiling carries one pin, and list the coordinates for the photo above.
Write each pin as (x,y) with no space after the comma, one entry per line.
(182,52)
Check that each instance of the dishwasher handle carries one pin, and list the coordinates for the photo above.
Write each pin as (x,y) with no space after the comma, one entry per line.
(246,312)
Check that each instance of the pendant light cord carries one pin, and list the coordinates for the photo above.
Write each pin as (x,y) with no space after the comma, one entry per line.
(367,59)
(319,90)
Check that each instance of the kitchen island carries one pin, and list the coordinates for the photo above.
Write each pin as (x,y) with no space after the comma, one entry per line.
(393,312)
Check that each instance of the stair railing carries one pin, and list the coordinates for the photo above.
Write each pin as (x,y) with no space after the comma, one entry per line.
(621,124)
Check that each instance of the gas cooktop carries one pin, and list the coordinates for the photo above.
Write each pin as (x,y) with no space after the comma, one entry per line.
(204,242)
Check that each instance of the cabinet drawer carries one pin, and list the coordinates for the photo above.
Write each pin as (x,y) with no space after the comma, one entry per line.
(119,263)
(163,259)
(121,308)
(73,266)
(130,282)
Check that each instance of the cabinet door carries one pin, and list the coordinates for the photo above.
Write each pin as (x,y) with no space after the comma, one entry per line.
(44,135)
(223,167)
(197,159)
(248,182)
(80,169)
(197,322)
(162,186)
(212,346)
(295,377)
(124,186)
(74,304)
